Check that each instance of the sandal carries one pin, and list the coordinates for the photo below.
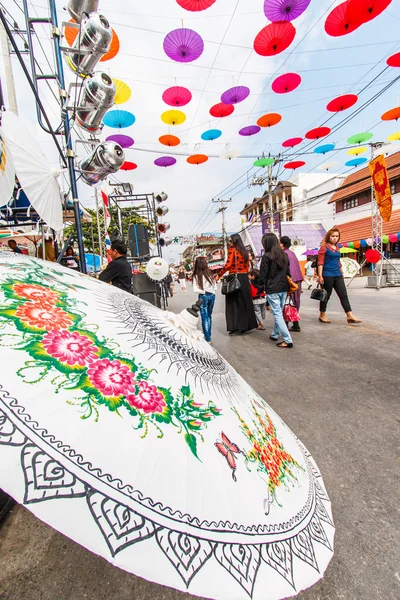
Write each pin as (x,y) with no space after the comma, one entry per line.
(323,320)
(285,345)
(354,321)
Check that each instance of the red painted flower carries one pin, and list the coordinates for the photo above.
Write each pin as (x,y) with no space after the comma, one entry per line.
(70,347)
(149,399)
(37,293)
(43,316)
(111,378)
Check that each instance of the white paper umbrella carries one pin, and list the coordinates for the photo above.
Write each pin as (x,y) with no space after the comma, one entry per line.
(7,173)
(350,267)
(157,268)
(37,178)
(140,442)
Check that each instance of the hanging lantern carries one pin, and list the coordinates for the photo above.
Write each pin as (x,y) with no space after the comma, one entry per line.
(77,8)
(105,159)
(97,97)
(95,39)
(393,238)
(161,211)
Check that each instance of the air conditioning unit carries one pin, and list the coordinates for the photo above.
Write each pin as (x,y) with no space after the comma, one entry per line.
(298,242)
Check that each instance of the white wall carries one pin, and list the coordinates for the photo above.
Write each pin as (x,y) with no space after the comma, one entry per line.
(309,187)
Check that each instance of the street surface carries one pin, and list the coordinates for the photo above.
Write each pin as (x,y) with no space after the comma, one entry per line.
(338,390)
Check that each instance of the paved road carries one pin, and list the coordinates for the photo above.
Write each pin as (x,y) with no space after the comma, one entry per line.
(338,389)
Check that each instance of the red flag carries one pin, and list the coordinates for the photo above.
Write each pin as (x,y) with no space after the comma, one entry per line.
(105,199)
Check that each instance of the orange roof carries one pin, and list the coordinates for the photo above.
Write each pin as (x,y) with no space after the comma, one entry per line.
(361,180)
(361,229)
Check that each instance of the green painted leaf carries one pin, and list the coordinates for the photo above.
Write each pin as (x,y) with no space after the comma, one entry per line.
(185,389)
(191,441)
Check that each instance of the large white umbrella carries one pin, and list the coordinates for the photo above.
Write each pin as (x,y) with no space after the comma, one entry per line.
(7,173)
(36,176)
(127,433)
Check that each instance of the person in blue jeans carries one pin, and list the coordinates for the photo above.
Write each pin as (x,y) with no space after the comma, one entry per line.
(205,286)
(274,269)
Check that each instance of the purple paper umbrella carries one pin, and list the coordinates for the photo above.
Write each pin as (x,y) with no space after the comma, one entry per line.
(235,95)
(250,130)
(165,161)
(123,140)
(284,10)
(183,45)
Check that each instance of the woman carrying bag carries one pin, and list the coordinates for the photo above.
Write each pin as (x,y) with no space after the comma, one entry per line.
(239,309)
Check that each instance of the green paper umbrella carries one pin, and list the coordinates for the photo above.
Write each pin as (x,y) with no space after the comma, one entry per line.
(360,138)
(264,162)
(347,250)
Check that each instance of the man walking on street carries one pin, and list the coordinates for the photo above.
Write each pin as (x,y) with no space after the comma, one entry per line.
(118,272)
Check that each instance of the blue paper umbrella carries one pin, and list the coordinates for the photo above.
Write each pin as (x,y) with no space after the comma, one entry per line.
(211,134)
(119,119)
(324,148)
(355,162)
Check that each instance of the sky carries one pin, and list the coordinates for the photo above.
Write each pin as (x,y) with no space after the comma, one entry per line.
(328,66)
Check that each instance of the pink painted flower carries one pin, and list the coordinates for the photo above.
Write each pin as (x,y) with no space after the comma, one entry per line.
(111,378)
(43,316)
(70,347)
(149,399)
(35,292)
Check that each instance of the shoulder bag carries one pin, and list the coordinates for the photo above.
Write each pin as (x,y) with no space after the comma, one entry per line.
(292,286)
(319,293)
(231,283)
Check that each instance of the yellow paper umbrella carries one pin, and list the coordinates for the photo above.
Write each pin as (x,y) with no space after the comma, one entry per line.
(173,117)
(357,151)
(123,91)
(394,137)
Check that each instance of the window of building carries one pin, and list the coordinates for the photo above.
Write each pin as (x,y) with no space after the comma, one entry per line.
(348,204)
(393,187)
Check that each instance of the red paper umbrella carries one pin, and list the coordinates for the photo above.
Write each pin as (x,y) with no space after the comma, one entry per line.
(391,115)
(221,110)
(274,38)
(296,164)
(195,5)
(269,120)
(197,159)
(177,96)
(286,83)
(342,103)
(338,23)
(366,10)
(394,60)
(128,166)
(291,142)
(169,140)
(317,133)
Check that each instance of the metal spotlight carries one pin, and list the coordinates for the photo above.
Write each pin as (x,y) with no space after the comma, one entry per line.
(165,241)
(90,45)
(97,97)
(76,8)
(105,159)
(163,227)
(163,197)
(161,211)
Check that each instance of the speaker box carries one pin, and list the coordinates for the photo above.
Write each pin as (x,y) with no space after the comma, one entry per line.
(146,289)
(138,240)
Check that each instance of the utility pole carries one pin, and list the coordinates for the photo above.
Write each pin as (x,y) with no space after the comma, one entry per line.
(270,203)
(12,99)
(222,210)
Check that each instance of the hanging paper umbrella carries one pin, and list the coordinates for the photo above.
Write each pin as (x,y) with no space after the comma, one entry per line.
(197,159)
(173,117)
(274,38)
(7,174)
(183,45)
(328,166)
(128,166)
(394,60)
(211,134)
(324,149)
(391,115)
(342,103)
(177,96)
(286,83)
(357,151)
(360,138)
(71,34)
(338,23)
(264,162)
(296,164)
(284,10)
(123,91)
(37,177)
(229,154)
(269,120)
(291,142)
(165,161)
(169,140)
(317,133)
(394,137)
(355,162)
(221,110)
(366,10)
(195,5)
(123,140)
(235,95)
(250,130)
(118,119)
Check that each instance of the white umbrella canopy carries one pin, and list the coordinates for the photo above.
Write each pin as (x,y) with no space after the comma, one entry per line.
(7,173)
(22,238)
(140,442)
(36,176)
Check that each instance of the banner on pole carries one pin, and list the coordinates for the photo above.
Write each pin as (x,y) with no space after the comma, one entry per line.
(380,181)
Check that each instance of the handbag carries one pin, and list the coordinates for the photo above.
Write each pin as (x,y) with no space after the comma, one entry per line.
(230,283)
(292,286)
(290,312)
(319,293)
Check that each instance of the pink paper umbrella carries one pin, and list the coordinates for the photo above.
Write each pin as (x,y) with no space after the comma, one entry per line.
(195,5)
(250,130)
(183,45)
(286,83)
(235,95)
(123,140)
(177,96)
(291,142)
(165,161)
(284,10)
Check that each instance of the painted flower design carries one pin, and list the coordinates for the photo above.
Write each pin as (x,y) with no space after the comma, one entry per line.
(71,348)
(111,378)
(149,399)
(37,293)
(43,316)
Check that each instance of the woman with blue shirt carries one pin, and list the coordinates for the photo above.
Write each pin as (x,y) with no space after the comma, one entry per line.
(330,275)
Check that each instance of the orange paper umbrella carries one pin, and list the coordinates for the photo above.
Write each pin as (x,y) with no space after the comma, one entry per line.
(197,159)
(391,115)
(71,34)
(169,140)
(269,120)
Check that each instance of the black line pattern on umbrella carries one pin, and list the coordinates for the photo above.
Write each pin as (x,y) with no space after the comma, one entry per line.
(241,561)
(303,548)
(317,532)
(9,434)
(279,556)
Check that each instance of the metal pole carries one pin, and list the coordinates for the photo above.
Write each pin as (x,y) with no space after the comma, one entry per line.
(12,99)
(96,195)
(270,203)
(222,210)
